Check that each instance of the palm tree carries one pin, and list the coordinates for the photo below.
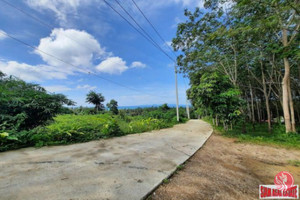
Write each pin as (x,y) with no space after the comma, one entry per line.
(96,99)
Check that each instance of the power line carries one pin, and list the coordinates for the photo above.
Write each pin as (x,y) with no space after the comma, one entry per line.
(50,27)
(149,40)
(155,44)
(47,25)
(144,31)
(153,27)
(59,59)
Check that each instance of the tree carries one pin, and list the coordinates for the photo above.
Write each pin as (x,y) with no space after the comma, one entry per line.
(164,107)
(25,105)
(281,18)
(215,95)
(255,44)
(113,106)
(97,99)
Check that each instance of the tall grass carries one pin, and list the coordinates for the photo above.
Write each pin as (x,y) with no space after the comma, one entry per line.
(73,128)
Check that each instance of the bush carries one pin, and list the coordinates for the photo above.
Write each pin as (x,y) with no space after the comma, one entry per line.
(25,106)
(79,127)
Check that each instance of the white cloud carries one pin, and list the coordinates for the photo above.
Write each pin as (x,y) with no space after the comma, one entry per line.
(137,64)
(28,72)
(57,88)
(2,36)
(62,8)
(86,87)
(112,65)
(65,9)
(72,46)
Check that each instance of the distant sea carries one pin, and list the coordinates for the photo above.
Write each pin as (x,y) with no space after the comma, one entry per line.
(134,107)
(148,106)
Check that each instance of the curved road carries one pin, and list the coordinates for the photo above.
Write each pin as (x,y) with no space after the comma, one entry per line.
(122,168)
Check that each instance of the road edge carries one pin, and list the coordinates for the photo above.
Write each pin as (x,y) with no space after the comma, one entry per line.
(145,197)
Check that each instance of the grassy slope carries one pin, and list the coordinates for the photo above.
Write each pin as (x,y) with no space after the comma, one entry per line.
(70,128)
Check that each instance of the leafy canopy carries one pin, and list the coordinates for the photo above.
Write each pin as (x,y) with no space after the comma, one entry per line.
(26,105)
(113,106)
(97,99)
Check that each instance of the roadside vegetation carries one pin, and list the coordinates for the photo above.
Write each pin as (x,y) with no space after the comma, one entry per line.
(30,116)
(259,134)
(243,65)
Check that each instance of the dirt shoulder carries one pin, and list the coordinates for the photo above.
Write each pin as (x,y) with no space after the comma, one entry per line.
(225,169)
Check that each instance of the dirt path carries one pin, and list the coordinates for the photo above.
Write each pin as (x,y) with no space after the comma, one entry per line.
(124,168)
(224,169)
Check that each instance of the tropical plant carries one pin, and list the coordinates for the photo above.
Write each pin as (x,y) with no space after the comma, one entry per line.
(97,99)
(113,106)
(26,105)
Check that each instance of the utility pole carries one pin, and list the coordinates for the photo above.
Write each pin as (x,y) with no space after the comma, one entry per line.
(188,109)
(177,106)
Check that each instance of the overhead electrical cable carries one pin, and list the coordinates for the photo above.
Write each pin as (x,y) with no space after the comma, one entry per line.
(153,27)
(49,26)
(145,36)
(144,31)
(59,59)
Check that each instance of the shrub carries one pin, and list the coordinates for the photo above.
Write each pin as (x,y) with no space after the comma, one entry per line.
(25,105)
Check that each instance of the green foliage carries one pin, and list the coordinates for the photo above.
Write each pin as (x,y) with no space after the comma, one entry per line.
(97,99)
(166,181)
(295,163)
(164,107)
(113,106)
(73,128)
(253,44)
(25,105)
(180,167)
(261,135)
(214,95)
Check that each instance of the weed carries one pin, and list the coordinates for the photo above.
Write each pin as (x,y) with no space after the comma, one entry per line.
(295,163)
(166,181)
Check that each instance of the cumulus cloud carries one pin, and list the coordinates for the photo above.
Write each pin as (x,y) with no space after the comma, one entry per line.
(57,88)
(66,45)
(112,65)
(137,64)
(86,87)
(75,47)
(33,73)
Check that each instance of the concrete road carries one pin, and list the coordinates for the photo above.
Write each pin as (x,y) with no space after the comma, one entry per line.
(125,168)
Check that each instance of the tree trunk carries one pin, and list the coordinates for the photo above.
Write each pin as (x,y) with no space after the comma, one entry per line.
(269,115)
(285,87)
(266,95)
(277,113)
(258,111)
(249,111)
(292,108)
(252,104)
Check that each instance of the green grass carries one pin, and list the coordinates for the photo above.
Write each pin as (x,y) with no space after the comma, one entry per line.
(166,181)
(71,128)
(295,163)
(260,135)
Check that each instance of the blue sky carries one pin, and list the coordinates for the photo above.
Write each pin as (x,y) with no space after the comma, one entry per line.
(90,36)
